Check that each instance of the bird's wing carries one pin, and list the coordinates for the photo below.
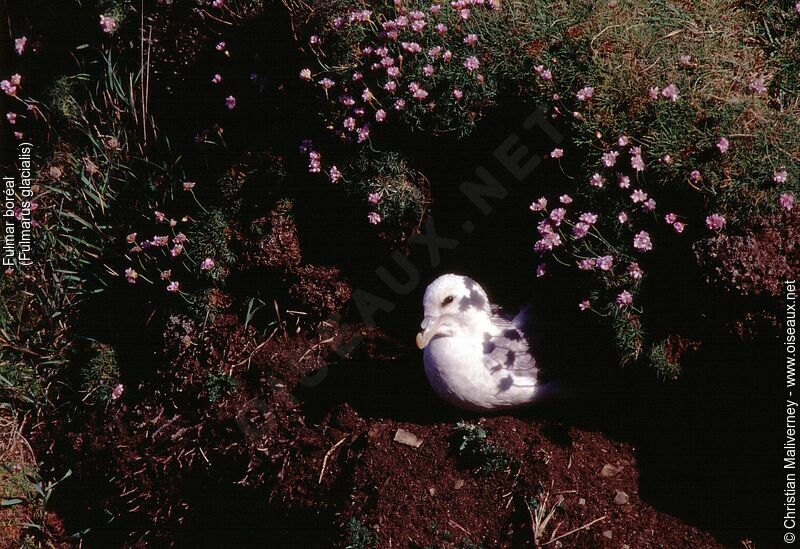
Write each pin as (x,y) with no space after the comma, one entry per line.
(506,346)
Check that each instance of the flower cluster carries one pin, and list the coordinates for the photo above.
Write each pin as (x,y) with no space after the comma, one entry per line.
(410,62)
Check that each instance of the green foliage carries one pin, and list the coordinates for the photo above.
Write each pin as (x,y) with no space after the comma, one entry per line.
(209,236)
(664,368)
(470,444)
(219,385)
(99,374)
(402,191)
(361,536)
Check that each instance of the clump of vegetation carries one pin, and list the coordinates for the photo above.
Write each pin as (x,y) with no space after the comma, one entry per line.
(360,535)
(470,443)
(219,385)
(675,116)
(100,374)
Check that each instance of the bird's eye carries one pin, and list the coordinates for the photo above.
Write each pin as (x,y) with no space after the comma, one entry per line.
(448,300)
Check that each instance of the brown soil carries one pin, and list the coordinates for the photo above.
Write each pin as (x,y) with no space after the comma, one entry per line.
(304,446)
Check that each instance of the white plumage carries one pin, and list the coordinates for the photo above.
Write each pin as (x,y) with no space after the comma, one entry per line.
(475,357)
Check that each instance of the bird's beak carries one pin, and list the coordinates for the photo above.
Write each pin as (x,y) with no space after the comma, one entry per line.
(429,326)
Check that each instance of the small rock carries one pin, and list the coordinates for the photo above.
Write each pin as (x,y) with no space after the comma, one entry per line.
(622,498)
(609,470)
(432,491)
(581,501)
(459,484)
(607,534)
(408,438)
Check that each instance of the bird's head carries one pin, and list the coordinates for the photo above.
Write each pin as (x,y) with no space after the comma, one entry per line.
(451,302)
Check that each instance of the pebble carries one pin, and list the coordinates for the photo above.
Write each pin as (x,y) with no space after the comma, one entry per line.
(408,438)
(622,498)
(609,470)
(458,484)
(607,534)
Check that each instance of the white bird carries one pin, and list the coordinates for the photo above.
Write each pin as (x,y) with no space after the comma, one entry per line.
(475,357)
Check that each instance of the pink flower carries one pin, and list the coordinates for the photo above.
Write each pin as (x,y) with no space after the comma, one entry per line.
(624,298)
(411,47)
(20,44)
(471,39)
(458,94)
(634,271)
(584,94)
(400,104)
(557,215)
(541,269)
(472,63)
(580,230)
(589,218)
(427,70)
(587,264)
(543,73)
(652,93)
(557,153)
(174,286)
(117,392)
(217,3)
(780,176)
(547,243)
(715,222)
(638,196)
(441,28)
(131,275)
(539,205)
(622,217)
(565,199)
(649,205)
(230,102)
(334,174)
(207,264)
(610,158)
(216,79)
(786,201)
(637,163)
(685,61)
(670,218)
(597,180)
(605,262)
(695,176)
(723,144)
(623,181)
(326,83)
(314,162)
(165,275)
(220,46)
(11,117)
(6,86)
(374,217)
(176,250)
(642,241)
(678,226)
(188,185)
(390,86)
(108,24)
(623,141)
(131,238)
(16,79)
(670,92)
(758,85)
(420,94)
(374,198)
(363,133)
(160,217)
(583,305)
(380,115)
